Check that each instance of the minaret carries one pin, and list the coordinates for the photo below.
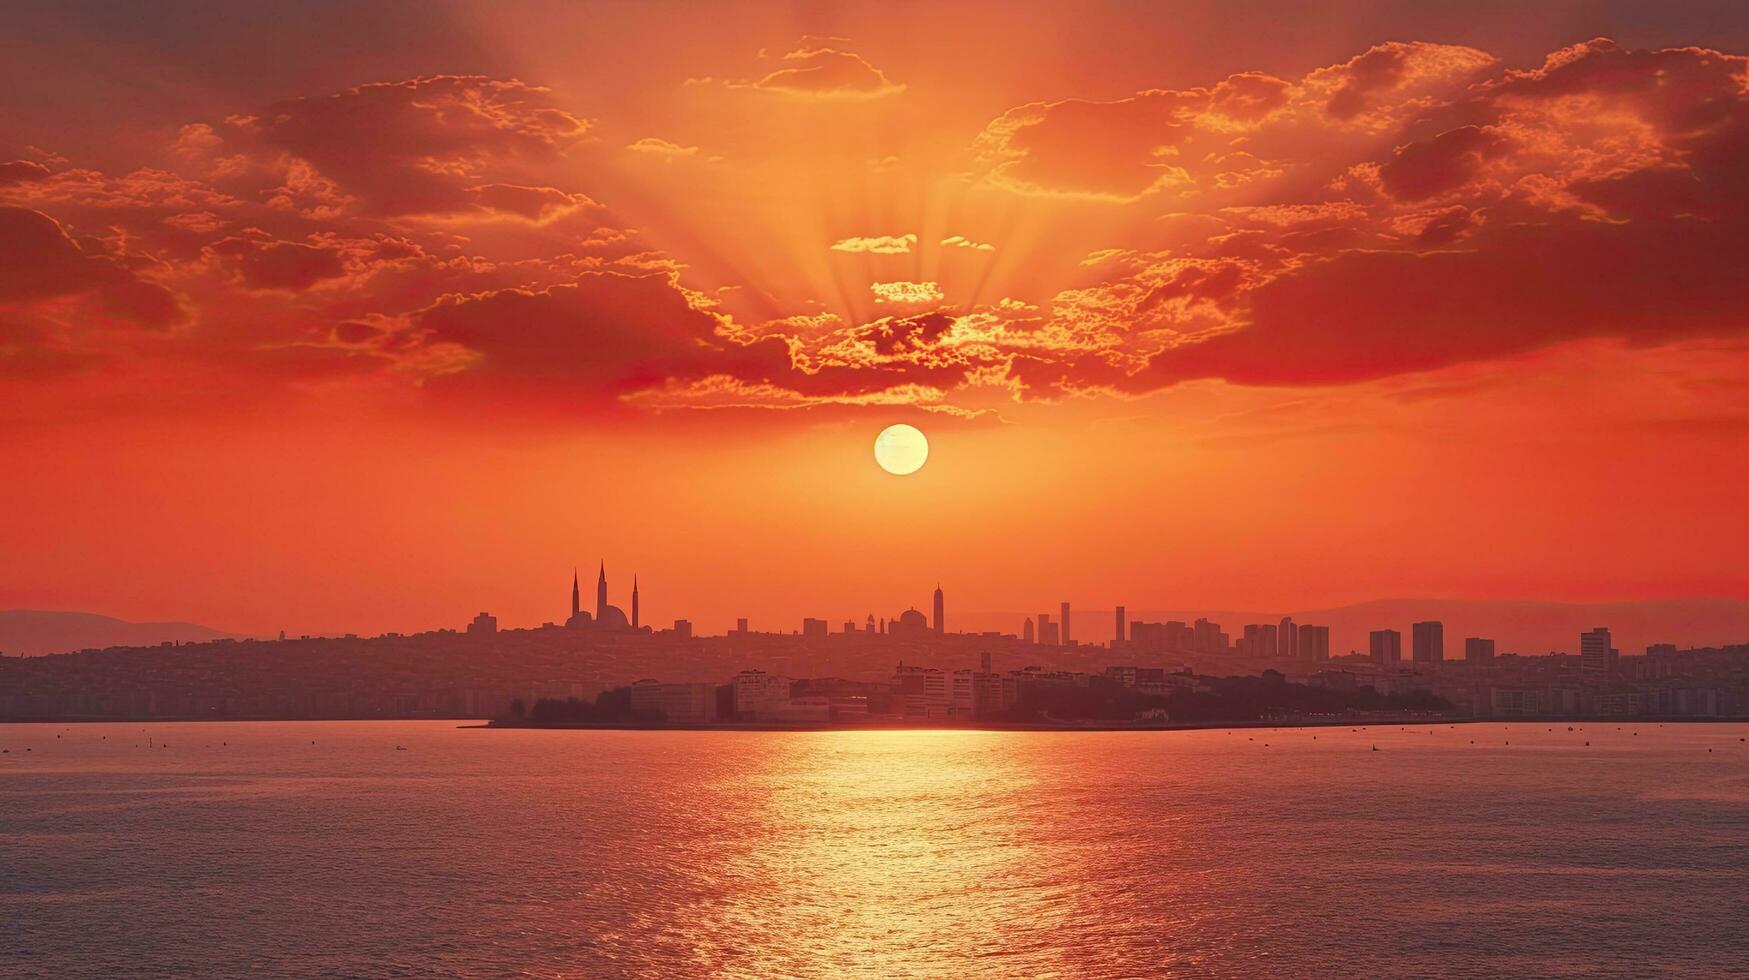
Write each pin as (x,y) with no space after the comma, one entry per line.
(634,602)
(940,604)
(601,595)
(576,594)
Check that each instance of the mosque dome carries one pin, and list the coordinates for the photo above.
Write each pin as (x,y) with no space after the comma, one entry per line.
(912,618)
(613,618)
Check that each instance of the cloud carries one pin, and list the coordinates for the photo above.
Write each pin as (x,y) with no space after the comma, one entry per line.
(533,203)
(590,340)
(1115,150)
(1387,80)
(22,171)
(417,146)
(828,73)
(877,244)
(662,148)
(1245,128)
(270,264)
(1412,208)
(1601,196)
(1435,166)
(39,261)
(1370,314)
(906,292)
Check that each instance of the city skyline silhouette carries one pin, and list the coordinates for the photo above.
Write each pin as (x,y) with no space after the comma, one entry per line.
(1229,488)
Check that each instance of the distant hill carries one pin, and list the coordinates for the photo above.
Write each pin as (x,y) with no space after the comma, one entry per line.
(34,632)
(1517,626)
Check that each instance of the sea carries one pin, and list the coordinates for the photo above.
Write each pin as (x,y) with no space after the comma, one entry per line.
(422,849)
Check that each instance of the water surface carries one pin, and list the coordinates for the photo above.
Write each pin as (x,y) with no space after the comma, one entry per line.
(320,849)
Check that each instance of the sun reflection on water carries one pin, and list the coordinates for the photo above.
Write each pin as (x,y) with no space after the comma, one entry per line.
(914,844)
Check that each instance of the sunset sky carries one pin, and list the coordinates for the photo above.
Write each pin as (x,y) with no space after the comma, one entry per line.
(333,319)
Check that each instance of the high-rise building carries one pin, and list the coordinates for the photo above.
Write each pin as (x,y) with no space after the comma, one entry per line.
(1258,641)
(1387,647)
(1067,637)
(485,624)
(741,625)
(1026,635)
(1595,654)
(1248,641)
(1117,637)
(1287,638)
(1047,633)
(1178,636)
(1206,637)
(1314,642)
(1429,641)
(940,606)
(683,628)
(814,628)
(1478,650)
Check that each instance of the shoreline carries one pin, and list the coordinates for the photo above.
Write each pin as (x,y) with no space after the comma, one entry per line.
(992,726)
(475,722)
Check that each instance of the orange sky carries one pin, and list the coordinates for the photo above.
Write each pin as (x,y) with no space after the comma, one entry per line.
(351,320)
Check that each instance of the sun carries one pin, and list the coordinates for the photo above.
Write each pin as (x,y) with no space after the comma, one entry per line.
(901,449)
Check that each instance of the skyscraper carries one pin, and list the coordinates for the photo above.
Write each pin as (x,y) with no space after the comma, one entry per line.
(1287,638)
(1206,637)
(1117,637)
(1259,640)
(1026,635)
(940,604)
(1387,647)
(1067,638)
(1595,654)
(1478,650)
(1429,641)
(1314,642)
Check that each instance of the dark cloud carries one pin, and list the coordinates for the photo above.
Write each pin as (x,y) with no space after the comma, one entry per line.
(38,260)
(419,146)
(1434,166)
(1370,314)
(280,265)
(21,171)
(600,336)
